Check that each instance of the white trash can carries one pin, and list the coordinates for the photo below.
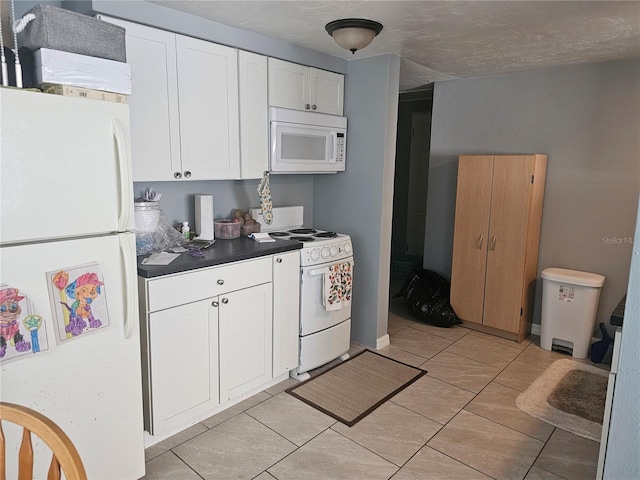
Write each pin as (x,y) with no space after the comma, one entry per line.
(569,306)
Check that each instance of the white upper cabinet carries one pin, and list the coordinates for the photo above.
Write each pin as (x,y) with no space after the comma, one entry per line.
(184,106)
(254,126)
(208,96)
(305,88)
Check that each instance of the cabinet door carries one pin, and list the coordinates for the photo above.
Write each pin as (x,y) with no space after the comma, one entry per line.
(254,142)
(510,202)
(470,238)
(288,85)
(153,103)
(245,318)
(327,91)
(286,311)
(209,124)
(184,364)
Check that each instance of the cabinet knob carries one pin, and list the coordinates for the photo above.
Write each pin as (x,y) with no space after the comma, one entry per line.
(177,175)
(220,282)
(214,304)
(278,260)
(187,174)
(307,106)
(225,300)
(313,107)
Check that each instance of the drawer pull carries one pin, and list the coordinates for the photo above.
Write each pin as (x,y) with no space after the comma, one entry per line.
(214,304)
(225,300)
(220,282)
(278,260)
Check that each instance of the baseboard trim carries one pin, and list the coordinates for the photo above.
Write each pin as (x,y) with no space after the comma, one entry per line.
(535,329)
(383,342)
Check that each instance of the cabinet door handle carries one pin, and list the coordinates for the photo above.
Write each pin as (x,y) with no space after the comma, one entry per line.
(278,260)
(214,304)
(493,243)
(314,107)
(220,282)
(480,240)
(307,106)
(187,174)
(177,175)
(225,300)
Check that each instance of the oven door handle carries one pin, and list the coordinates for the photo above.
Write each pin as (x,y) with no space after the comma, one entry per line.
(320,271)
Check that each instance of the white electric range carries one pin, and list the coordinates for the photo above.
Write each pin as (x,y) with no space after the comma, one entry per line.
(325,334)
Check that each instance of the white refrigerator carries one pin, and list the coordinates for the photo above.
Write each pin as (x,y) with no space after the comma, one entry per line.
(69,334)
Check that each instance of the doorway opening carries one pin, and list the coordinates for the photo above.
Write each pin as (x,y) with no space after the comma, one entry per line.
(410,184)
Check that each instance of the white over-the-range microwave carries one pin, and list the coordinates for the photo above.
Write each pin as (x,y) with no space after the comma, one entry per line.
(306,142)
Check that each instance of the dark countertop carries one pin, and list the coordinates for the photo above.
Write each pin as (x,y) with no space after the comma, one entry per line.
(617,316)
(223,251)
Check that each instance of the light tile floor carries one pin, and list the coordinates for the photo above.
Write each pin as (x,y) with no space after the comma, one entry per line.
(459,421)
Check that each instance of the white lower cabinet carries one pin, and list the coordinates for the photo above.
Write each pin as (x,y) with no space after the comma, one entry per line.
(245,340)
(286,311)
(183,362)
(213,334)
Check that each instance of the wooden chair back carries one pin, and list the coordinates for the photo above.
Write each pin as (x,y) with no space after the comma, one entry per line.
(65,454)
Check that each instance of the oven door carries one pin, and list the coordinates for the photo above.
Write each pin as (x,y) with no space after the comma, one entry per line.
(296,148)
(314,317)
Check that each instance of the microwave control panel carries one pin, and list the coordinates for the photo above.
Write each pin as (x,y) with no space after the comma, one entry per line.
(340,147)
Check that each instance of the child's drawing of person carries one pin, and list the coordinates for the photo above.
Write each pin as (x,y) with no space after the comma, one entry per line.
(10,311)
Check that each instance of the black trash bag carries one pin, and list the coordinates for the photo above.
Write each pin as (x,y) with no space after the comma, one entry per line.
(426,294)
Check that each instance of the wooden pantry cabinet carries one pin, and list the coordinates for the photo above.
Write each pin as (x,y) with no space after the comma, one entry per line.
(496,238)
(305,88)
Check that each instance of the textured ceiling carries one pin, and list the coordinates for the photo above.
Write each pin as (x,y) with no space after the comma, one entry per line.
(439,40)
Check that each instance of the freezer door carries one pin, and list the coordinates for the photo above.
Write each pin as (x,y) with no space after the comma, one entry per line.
(90,384)
(65,166)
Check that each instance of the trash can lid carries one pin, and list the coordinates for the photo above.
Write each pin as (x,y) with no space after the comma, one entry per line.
(574,277)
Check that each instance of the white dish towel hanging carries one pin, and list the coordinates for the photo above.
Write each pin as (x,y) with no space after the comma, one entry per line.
(337,286)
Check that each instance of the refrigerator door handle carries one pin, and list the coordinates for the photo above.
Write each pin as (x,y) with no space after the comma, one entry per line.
(126,195)
(129,286)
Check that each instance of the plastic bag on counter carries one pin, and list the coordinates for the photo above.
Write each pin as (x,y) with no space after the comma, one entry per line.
(426,295)
(153,232)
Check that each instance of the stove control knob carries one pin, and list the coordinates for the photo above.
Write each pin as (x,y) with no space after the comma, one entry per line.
(315,254)
(347,248)
(325,252)
(333,251)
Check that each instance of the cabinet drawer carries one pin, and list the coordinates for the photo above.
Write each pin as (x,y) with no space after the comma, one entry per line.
(192,286)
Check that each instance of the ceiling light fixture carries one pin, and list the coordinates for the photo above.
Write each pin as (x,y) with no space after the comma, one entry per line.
(353,33)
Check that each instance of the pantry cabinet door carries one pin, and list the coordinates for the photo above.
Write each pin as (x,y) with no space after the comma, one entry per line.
(209,122)
(184,364)
(153,103)
(470,237)
(327,91)
(245,340)
(510,204)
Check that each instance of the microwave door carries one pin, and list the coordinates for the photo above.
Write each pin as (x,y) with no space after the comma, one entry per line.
(300,149)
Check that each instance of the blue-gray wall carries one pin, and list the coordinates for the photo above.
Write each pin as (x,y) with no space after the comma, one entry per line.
(587,120)
(622,460)
(175,21)
(177,200)
(359,201)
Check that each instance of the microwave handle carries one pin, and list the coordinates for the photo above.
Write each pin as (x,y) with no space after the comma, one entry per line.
(334,146)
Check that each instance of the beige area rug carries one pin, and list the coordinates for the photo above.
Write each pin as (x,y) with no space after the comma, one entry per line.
(569,395)
(353,389)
